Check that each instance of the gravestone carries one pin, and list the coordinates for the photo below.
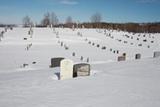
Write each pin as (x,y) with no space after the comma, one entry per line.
(139,44)
(66,69)
(81,69)
(156,54)
(138,56)
(55,62)
(117,51)
(87,59)
(103,47)
(124,54)
(98,45)
(73,54)
(81,58)
(121,58)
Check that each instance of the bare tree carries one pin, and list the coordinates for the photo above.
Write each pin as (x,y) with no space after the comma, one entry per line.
(26,21)
(69,20)
(46,20)
(96,18)
(53,19)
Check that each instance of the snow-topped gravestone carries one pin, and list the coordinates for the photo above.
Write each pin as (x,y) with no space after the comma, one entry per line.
(156,54)
(81,69)
(66,69)
(55,62)
(138,56)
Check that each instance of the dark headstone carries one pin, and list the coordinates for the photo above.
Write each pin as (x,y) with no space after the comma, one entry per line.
(144,40)
(121,58)
(103,48)
(124,54)
(81,58)
(73,54)
(87,59)
(138,56)
(139,44)
(81,70)
(98,45)
(55,62)
(24,38)
(156,54)
(33,62)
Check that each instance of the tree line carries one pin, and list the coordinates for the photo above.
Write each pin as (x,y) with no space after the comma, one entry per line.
(51,20)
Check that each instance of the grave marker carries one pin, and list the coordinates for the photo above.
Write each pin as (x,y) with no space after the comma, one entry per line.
(55,62)
(156,54)
(82,69)
(138,56)
(66,69)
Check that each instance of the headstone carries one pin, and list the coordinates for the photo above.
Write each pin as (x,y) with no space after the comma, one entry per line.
(156,54)
(124,54)
(55,62)
(98,45)
(138,56)
(66,69)
(103,47)
(139,44)
(117,51)
(121,58)
(145,40)
(81,58)
(87,59)
(81,70)
(24,38)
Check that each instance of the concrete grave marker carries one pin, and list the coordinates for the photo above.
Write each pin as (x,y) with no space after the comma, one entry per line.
(138,56)
(55,62)
(121,58)
(156,54)
(81,70)
(66,69)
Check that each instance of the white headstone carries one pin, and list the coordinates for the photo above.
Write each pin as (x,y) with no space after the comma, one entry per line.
(66,69)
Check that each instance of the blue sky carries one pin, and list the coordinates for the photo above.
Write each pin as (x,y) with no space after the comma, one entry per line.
(12,11)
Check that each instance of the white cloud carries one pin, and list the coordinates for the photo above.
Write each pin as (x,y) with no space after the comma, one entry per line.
(69,2)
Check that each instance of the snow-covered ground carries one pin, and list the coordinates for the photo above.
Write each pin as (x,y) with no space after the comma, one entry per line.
(133,83)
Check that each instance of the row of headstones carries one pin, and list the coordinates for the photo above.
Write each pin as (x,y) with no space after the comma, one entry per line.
(98,45)
(68,69)
(137,56)
(73,53)
(26,65)
(3,32)
(144,40)
(125,42)
(62,44)
(103,47)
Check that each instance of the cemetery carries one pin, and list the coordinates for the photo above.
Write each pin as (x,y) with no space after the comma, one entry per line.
(79,53)
(61,58)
